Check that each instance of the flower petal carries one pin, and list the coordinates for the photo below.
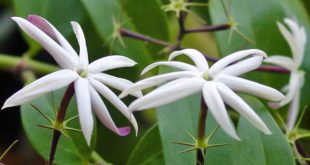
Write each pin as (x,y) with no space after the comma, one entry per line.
(110,62)
(41,86)
(103,114)
(237,103)
(298,41)
(243,66)
(61,56)
(293,112)
(197,57)
(81,87)
(216,106)
(174,64)
(168,93)
(229,59)
(282,61)
(115,82)
(82,43)
(109,95)
(51,31)
(156,80)
(250,87)
(294,86)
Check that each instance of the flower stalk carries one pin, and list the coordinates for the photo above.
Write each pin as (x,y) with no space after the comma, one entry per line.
(202,130)
(59,121)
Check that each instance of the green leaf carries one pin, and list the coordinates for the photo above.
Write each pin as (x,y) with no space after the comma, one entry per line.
(148,149)
(72,150)
(173,120)
(255,148)
(102,14)
(149,19)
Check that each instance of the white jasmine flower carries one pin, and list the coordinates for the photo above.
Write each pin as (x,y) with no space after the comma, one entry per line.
(217,85)
(296,38)
(88,80)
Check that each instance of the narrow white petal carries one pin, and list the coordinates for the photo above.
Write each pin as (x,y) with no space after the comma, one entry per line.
(289,37)
(283,61)
(109,95)
(197,57)
(81,88)
(110,62)
(42,24)
(250,87)
(237,103)
(229,59)
(156,80)
(168,93)
(293,112)
(216,106)
(41,86)
(82,43)
(103,114)
(243,66)
(293,88)
(115,82)
(61,56)
(174,64)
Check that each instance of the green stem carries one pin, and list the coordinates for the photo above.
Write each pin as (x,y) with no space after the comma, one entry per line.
(98,159)
(8,149)
(9,62)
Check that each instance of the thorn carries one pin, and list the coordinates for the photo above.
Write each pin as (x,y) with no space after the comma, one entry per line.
(183,143)
(212,134)
(47,127)
(191,136)
(217,145)
(72,129)
(43,114)
(187,150)
(70,119)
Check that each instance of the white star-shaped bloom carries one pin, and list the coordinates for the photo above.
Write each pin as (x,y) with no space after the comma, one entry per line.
(217,85)
(88,79)
(296,38)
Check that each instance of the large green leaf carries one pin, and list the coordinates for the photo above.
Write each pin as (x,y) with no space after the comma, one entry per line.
(148,150)
(255,148)
(102,14)
(72,150)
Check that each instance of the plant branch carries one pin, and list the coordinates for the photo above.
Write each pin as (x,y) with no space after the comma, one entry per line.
(302,151)
(9,62)
(209,28)
(202,131)
(127,33)
(59,121)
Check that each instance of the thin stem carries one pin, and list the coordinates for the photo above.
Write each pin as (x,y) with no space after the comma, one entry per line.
(127,33)
(8,149)
(201,130)
(59,121)
(9,62)
(181,22)
(210,28)
(274,69)
(302,151)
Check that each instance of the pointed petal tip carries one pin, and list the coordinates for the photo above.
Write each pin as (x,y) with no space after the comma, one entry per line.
(124,131)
